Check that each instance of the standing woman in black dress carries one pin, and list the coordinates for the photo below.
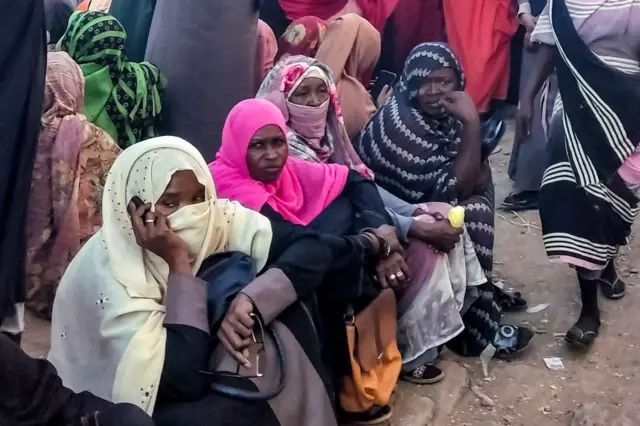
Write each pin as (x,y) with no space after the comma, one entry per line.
(22,71)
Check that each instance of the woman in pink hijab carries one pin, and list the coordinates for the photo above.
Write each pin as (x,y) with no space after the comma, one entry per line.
(254,167)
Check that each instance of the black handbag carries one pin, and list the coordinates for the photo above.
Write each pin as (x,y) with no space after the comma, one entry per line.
(227,274)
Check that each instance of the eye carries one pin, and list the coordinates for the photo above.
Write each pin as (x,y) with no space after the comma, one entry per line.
(256,145)
(279,142)
(199,198)
(168,203)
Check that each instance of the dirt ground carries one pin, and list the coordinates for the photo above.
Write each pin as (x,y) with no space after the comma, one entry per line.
(524,392)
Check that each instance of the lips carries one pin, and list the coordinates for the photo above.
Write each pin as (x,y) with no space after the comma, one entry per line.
(273,169)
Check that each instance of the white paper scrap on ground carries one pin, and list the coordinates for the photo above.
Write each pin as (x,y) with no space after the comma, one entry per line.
(554,363)
(538,308)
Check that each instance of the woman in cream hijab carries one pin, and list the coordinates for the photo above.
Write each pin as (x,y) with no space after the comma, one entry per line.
(130,317)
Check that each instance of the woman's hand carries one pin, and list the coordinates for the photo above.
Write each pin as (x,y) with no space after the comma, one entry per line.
(384,95)
(235,329)
(389,235)
(529,21)
(461,105)
(393,272)
(153,233)
(419,212)
(440,234)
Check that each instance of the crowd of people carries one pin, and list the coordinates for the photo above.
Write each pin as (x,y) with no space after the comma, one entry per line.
(225,227)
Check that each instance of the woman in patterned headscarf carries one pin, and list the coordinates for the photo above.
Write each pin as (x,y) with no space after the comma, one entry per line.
(121,97)
(424,145)
(305,91)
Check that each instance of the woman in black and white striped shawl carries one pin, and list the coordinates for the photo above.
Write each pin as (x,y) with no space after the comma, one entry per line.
(589,196)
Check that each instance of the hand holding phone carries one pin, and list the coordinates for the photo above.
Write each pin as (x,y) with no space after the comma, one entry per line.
(137,201)
(385,79)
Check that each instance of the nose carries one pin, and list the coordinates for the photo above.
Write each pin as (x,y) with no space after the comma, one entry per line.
(432,88)
(272,153)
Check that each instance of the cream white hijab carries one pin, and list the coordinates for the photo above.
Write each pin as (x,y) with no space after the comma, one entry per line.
(107,334)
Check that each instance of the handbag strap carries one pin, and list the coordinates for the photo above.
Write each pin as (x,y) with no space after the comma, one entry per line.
(246,395)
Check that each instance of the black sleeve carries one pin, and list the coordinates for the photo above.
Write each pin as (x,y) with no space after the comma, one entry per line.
(187,348)
(310,258)
(364,196)
(186,354)
(301,254)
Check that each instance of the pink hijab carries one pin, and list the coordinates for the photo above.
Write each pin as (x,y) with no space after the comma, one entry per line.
(267,49)
(303,190)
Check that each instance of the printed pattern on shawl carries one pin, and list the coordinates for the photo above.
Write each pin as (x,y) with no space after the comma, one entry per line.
(302,37)
(274,89)
(134,105)
(72,161)
(412,154)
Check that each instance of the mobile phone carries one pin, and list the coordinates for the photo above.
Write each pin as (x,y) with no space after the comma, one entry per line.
(137,201)
(385,78)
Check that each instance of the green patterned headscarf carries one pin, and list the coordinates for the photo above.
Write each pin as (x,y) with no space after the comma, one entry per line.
(121,97)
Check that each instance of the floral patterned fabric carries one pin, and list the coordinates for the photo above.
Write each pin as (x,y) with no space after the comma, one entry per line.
(72,162)
(302,37)
(276,88)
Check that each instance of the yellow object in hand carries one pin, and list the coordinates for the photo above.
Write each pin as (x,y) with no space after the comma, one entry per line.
(456,216)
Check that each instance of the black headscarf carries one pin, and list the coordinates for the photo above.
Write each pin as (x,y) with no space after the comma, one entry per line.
(57,13)
(22,71)
(410,152)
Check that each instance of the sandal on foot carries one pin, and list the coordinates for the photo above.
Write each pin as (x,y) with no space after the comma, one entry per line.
(612,290)
(582,335)
(375,416)
(511,341)
(511,302)
(426,374)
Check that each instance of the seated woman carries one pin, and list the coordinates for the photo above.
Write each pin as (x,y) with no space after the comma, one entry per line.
(32,393)
(424,145)
(350,48)
(144,335)
(254,167)
(72,161)
(115,99)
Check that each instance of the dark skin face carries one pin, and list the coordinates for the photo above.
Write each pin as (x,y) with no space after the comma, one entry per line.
(267,154)
(436,85)
(183,190)
(312,92)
